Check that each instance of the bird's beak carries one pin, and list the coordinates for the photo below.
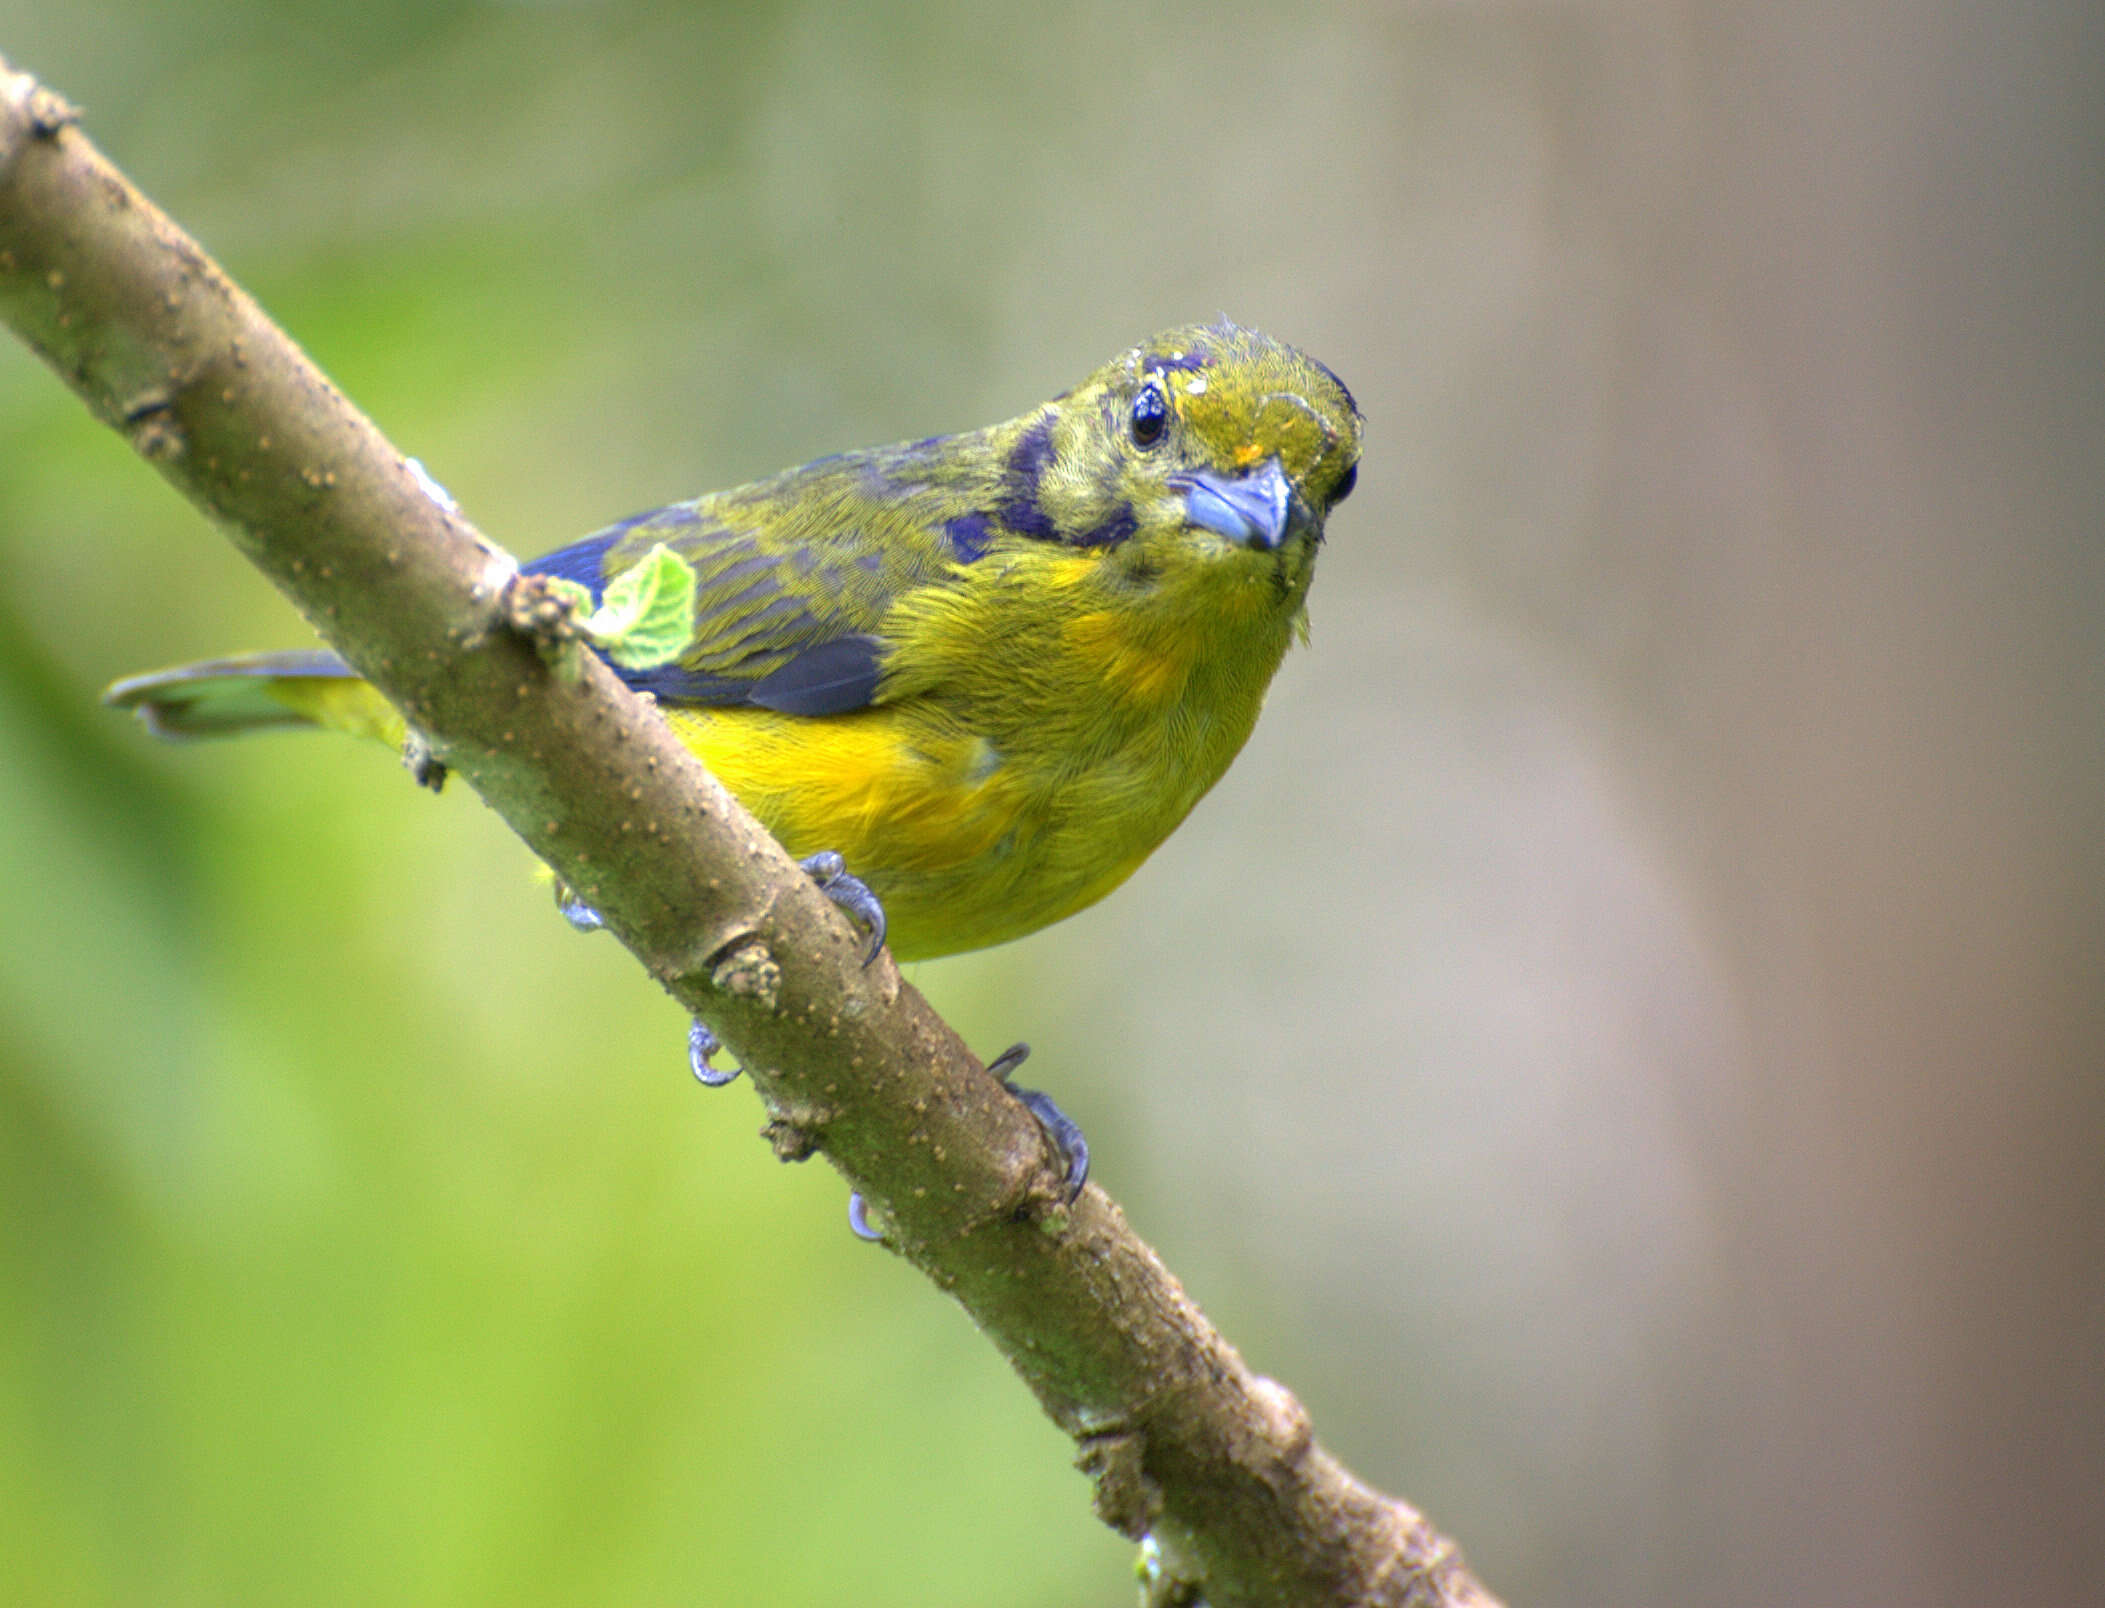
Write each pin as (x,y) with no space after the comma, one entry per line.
(1257,509)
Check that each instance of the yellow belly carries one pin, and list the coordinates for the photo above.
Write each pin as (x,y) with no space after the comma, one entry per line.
(964,846)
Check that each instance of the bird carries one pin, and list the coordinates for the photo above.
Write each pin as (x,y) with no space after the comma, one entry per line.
(979,677)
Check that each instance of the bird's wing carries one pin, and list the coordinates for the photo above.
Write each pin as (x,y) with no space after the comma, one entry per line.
(794,578)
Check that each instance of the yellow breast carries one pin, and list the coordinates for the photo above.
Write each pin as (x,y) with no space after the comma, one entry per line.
(1042,731)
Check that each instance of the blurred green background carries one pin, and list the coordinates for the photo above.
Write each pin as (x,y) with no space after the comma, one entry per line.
(1624,1043)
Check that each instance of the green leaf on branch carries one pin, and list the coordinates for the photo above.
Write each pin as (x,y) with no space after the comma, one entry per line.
(645,616)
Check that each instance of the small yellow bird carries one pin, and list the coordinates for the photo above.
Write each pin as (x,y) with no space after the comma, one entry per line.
(988,673)
(991,671)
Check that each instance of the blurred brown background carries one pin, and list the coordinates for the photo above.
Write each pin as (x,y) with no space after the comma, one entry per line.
(1624,1043)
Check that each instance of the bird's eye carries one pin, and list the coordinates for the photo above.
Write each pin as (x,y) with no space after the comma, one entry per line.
(1150,417)
(1343,488)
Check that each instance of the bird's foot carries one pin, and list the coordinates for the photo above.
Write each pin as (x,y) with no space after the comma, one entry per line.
(851,893)
(701,1044)
(859,1219)
(422,761)
(575,911)
(826,868)
(1066,1136)
(1060,1128)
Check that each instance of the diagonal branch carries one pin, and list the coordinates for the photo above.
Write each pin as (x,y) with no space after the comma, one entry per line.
(1185,1444)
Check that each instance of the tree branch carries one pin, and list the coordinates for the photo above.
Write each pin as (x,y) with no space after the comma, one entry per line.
(1183,1441)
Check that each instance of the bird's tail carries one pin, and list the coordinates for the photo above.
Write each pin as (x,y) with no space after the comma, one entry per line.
(255,691)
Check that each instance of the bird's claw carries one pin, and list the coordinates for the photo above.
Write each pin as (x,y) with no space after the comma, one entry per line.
(859,1219)
(701,1044)
(423,762)
(575,911)
(1065,1134)
(850,892)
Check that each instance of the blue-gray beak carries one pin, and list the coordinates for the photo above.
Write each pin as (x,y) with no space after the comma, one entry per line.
(1258,509)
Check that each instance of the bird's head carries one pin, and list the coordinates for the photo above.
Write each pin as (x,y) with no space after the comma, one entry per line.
(1209,450)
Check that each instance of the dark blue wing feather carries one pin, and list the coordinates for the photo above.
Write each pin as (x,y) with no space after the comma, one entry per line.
(833,678)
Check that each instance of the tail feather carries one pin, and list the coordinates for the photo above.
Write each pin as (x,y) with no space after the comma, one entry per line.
(254,692)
